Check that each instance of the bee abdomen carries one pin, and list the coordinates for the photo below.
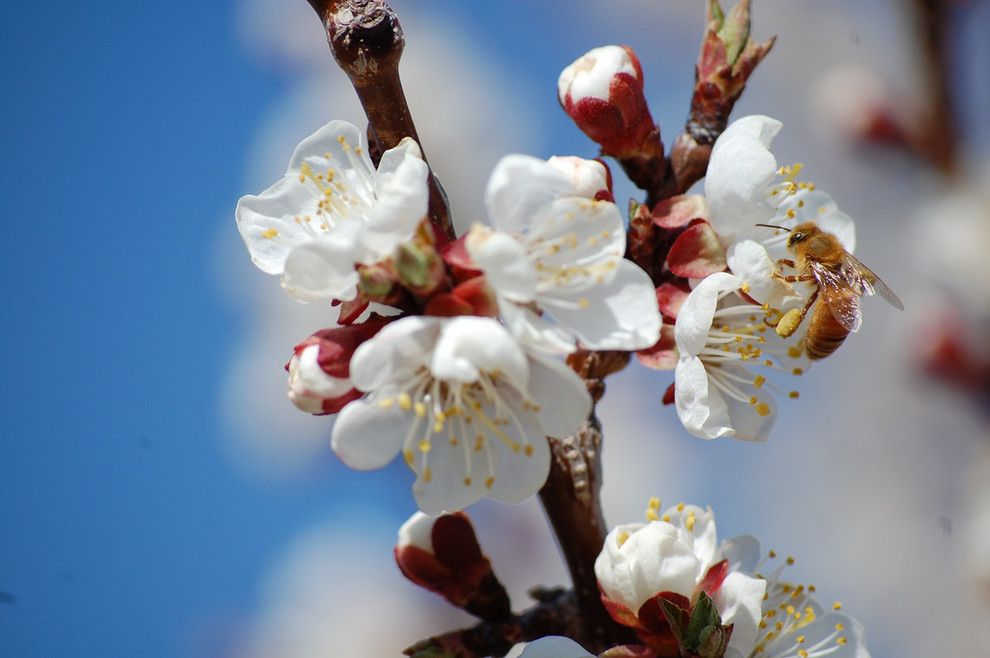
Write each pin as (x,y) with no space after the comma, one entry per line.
(825,334)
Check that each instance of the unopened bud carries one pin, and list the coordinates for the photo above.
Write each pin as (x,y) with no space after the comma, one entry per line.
(442,555)
(602,91)
(319,370)
(375,281)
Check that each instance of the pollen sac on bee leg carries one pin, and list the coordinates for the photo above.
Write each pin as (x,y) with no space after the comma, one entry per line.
(789,323)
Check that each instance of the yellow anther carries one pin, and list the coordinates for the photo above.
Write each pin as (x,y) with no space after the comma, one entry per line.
(666,518)
(841,641)
(753,400)
(427,475)
(794,352)
(689,522)
(800,639)
(583,302)
(772,554)
(651,514)
(840,627)
(489,482)
(420,409)
(654,503)
(467,481)
(424,445)
(759,381)
(794,395)
(680,507)
(454,441)
(269,234)
(528,450)
(408,456)
(386,403)
(763,409)
(802,653)
(745,288)
(405,402)
(798,371)
(622,537)
(790,560)
(837,605)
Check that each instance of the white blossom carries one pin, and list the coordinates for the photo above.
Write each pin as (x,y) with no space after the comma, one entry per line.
(744,186)
(333,210)
(466,405)
(553,256)
(724,346)
(674,553)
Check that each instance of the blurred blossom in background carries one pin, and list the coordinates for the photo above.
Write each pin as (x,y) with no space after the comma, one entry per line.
(159,494)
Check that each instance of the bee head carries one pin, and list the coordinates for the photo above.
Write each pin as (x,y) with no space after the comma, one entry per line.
(802,232)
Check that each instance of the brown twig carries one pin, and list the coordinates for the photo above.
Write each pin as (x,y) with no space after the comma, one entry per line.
(366,40)
(940,139)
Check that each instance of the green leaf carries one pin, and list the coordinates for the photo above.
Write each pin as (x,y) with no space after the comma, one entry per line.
(734,32)
(715,16)
(704,616)
(676,616)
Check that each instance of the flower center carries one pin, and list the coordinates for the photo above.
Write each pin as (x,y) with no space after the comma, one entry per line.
(737,338)
(470,417)
(337,196)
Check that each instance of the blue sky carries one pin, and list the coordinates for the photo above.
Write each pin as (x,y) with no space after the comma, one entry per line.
(125,128)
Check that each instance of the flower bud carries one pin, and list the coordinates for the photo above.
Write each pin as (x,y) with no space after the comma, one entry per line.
(442,555)
(319,370)
(602,91)
(419,267)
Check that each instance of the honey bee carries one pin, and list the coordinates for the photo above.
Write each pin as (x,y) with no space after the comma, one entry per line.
(840,280)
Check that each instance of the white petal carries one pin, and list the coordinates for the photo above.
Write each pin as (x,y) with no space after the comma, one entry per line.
(742,552)
(621,314)
(417,531)
(660,563)
(822,634)
(402,197)
(549,647)
(701,407)
(306,376)
(740,173)
(747,424)
(613,568)
(755,268)
(694,319)
(702,538)
(365,436)
(395,353)
(535,330)
(587,177)
(469,345)
(267,222)
(562,395)
(591,74)
(518,187)
(576,242)
(323,268)
(505,262)
(739,601)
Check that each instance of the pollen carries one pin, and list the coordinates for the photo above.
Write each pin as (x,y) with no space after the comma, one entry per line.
(759,381)
(744,287)
(269,234)
(689,522)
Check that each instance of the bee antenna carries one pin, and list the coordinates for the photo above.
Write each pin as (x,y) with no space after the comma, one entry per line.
(773,226)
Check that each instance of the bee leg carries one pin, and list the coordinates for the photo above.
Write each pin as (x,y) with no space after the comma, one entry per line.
(786,262)
(793,318)
(790,278)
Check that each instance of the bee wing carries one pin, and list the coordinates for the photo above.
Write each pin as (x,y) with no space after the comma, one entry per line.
(862,278)
(841,296)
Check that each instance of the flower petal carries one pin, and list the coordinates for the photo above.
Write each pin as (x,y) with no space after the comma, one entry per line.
(742,552)
(620,314)
(468,345)
(549,647)
(695,316)
(696,252)
(740,173)
(505,262)
(535,330)
(323,268)
(401,198)
(562,395)
(366,436)
(750,261)
(739,601)
(267,222)
(518,187)
(395,353)
(700,406)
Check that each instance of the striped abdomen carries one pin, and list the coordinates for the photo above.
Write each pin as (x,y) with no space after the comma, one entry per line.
(825,334)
